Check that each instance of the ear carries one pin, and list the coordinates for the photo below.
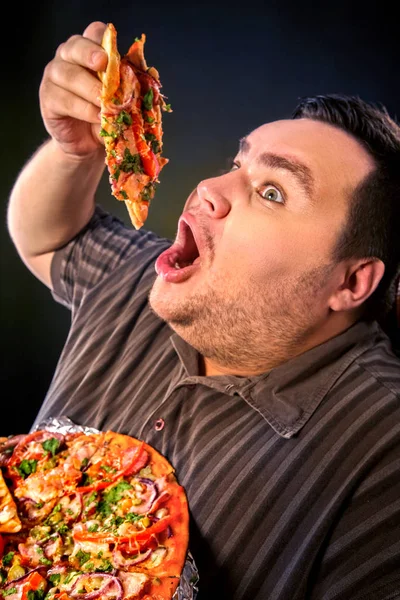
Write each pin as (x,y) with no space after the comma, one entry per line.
(360,279)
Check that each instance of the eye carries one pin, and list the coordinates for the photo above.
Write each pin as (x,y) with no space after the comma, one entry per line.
(270,192)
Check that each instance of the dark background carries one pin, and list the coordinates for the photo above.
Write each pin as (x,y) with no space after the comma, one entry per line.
(226,68)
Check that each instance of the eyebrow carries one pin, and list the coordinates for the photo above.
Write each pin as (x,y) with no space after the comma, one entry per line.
(300,171)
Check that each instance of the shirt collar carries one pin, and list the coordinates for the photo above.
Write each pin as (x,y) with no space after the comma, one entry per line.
(289,394)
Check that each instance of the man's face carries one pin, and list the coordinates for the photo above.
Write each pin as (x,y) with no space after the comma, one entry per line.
(250,275)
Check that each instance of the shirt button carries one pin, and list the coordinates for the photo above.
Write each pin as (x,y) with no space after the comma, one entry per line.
(159,424)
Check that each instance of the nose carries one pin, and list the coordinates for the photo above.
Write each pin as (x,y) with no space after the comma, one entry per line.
(213,197)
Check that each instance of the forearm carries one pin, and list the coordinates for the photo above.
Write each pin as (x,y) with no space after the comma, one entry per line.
(52,199)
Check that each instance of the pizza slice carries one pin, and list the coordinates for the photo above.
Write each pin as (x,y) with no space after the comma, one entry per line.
(131,125)
(9,519)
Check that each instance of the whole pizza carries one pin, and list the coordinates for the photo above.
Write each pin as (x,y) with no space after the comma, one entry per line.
(89,515)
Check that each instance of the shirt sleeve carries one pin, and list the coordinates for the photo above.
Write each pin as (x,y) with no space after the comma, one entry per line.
(104,244)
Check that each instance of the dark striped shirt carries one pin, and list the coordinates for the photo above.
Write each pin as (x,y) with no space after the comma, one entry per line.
(292,477)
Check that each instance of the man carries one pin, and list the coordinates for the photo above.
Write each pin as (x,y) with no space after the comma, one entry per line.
(247,352)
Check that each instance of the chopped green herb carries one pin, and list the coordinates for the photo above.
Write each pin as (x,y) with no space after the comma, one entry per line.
(105,133)
(149,119)
(35,594)
(124,117)
(27,467)
(51,445)
(117,491)
(131,162)
(82,556)
(84,463)
(108,469)
(116,174)
(104,508)
(93,527)
(133,517)
(45,561)
(7,558)
(106,566)
(55,578)
(63,529)
(123,194)
(147,192)
(89,566)
(10,591)
(86,480)
(167,108)
(148,99)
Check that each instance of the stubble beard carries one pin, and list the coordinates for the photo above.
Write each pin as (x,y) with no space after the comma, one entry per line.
(247,328)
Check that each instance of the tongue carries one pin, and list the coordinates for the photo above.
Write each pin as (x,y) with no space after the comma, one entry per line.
(171,266)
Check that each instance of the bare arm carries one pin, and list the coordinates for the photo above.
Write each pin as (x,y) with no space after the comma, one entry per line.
(53,196)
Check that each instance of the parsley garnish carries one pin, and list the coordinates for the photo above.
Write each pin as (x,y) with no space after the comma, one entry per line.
(116,492)
(124,117)
(149,119)
(55,578)
(27,467)
(82,556)
(131,162)
(123,194)
(105,566)
(105,133)
(9,591)
(148,99)
(7,558)
(51,445)
(36,594)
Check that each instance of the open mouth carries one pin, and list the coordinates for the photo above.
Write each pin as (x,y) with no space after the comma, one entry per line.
(179,262)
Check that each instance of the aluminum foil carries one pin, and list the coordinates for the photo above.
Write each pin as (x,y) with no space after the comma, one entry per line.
(188,585)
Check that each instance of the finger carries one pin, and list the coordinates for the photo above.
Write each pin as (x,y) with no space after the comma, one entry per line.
(83,51)
(73,78)
(95,31)
(58,103)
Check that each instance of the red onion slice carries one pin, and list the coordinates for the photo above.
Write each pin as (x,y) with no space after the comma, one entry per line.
(108,585)
(148,496)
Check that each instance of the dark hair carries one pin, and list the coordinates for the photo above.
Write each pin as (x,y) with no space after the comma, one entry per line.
(373,224)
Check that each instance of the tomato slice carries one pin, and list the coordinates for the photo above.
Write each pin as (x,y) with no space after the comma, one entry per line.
(33,582)
(134,459)
(148,158)
(140,536)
